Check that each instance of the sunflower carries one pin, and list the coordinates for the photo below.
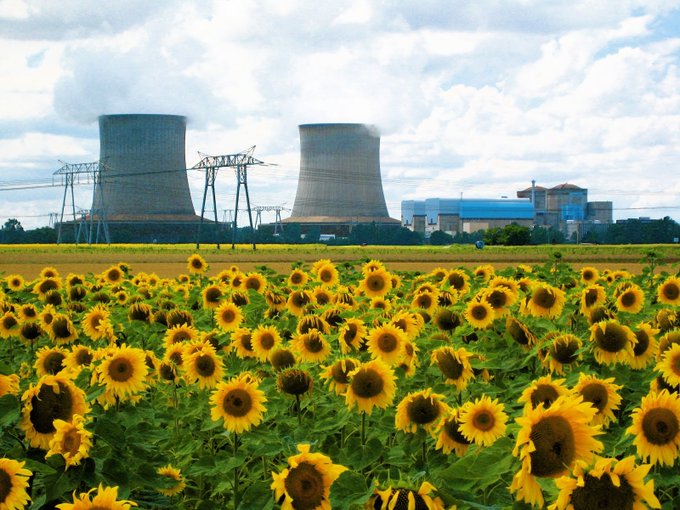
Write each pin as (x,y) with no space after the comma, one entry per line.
(306,482)
(45,285)
(298,301)
(106,498)
(71,440)
(203,366)
(646,346)
(294,381)
(196,264)
(406,499)
(420,409)
(608,484)
(519,332)
(602,395)
(328,274)
(53,397)
(545,301)
(9,325)
(372,265)
(13,484)
(350,335)
(93,322)
(174,354)
(666,341)
(387,343)
(669,291)
(563,350)
(376,283)
(371,384)
(543,391)
(239,402)
(27,312)
(613,342)
(549,443)
(454,365)
(213,295)
(174,477)
(311,346)
(337,374)
(298,278)
(180,334)
(281,358)
(501,298)
(30,331)
(9,385)
(446,319)
(479,314)
(458,280)
(255,281)
(629,298)
(123,371)
(241,342)
(592,297)
(114,274)
(140,312)
(589,275)
(656,427)
(449,437)
(15,282)
(50,361)
(311,321)
(264,339)
(62,330)
(484,272)
(322,296)
(236,280)
(482,421)
(409,323)
(427,301)
(228,316)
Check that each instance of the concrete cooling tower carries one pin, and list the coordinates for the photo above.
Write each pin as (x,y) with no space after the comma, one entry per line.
(145,177)
(339,180)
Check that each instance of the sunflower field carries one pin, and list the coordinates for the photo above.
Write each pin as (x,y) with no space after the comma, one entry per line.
(341,385)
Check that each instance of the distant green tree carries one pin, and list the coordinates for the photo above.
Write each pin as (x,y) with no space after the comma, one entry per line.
(11,232)
(440,238)
(546,235)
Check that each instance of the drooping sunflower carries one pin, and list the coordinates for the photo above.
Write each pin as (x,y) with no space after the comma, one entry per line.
(294,381)
(213,295)
(669,291)
(30,331)
(561,350)
(239,402)
(602,394)
(446,319)
(203,366)
(62,330)
(482,421)
(281,358)
(298,278)
(311,321)
(543,391)
(337,374)
(609,484)
(449,437)
(656,427)
(420,409)
(666,341)
(519,332)
(242,343)
(386,342)
(410,323)
(123,371)
(350,334)
(545,301)
(550,442)
(53,397)
(646,347)
(306,482)
(669,366)
(298,300)
(141,312)
(9,384)
(629,298)
(106,498)
(613,342)
(50,361)
(71,440)
(196,264)
(372,265)
(13,484)
(484,272)
(45,285)
(592,297)
(479,314)
(454,364)
(406,499)
(264,339)
(311,346)
(376,283)
(174,476)
(27,312)
(372,384)
(181,334)
(92,322)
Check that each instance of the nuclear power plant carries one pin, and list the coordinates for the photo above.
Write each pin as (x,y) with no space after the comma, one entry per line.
(339,183)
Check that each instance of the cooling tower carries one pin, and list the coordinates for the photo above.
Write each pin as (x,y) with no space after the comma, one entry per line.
(145,176)
(339,176)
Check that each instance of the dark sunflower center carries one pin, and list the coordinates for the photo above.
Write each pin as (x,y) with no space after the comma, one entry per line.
(564,351)
(449,365)
(339,373)
(497,299)
(47,285)
(322,298)
(296,278)
(447,320)
(590,297)
(479,312)
(95,320)
(326,275)
(120,370)
(452,430)
(387,342)
(544,394)
(205,365)
(180,336)
(612,339)
(544,298)
(628,299)
(313,343)
(588,275)
(422,410)
(350,333)
(402,500)
(213,295)
(602,494)
(375,282)
(196,263)
(367,383)
(597,395)
(671,291)
(237,402)
(282,358)
(424,301)
(114,275)
(294,382)
(54,362)
(305,486)
(484,420)
(642,342)
(456,281)
(555,451)
(9,322)
(253,283)
(267,341)
(30,330)
(660,426)
(71,442)
(49,406)
(176,358)
(518,333)
(167,372)
(83,357)
(60,327)
(246,342)
(5,485)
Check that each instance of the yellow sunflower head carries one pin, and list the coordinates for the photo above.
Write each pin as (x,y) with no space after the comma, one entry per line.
(669,291)
(105,498)
(255,281)
(454,364)
(123,371)
(401,498)
(376,283)
(239,403)
(613,342)
(546,301)
(387,343)
(50,361)
(479,314)
(420,409)
(242,343)
(351,334)
(196,264)
(543,391)
(13,484)
(298,278)
(602,394)
(562,350)
(449,437)
(213,295)
(71,440)
(483,420)
(15,282)
(646,347)
(203,366)
(372,384)
(175,480)
(228,316)
(311,346)
(630,298)
(656,427)
(298,301)
(589,275)
(9,384)
(264,339)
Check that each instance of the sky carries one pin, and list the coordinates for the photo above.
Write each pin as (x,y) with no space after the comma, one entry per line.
(472,99)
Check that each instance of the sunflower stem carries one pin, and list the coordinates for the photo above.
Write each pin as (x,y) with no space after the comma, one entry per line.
(236,494)
(363,429)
